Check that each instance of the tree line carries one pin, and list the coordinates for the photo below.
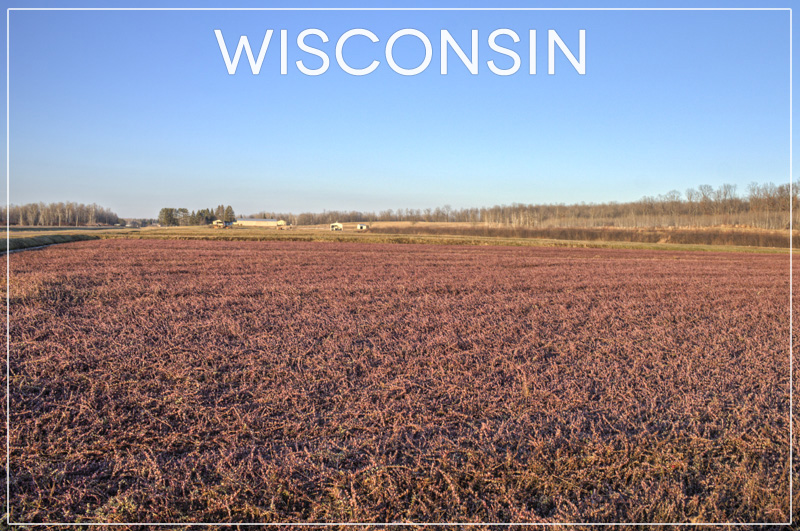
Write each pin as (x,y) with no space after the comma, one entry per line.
(58,214)
(762,206)
(181,217)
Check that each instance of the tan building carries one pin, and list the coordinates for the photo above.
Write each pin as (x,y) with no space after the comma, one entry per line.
(255,222)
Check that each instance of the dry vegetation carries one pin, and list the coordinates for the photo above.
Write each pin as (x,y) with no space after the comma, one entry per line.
(293,381)
(450,233)
(736,236)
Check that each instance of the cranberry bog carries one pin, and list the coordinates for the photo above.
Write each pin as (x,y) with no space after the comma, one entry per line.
(214,381)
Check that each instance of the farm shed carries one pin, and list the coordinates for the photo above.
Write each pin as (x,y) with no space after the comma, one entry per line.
(362,226)
(336,226)
(256,222)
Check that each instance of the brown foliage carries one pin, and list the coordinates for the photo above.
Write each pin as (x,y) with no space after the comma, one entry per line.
(699,236)
(289,381)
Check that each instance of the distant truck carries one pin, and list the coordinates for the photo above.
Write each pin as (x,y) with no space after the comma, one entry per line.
(336,226)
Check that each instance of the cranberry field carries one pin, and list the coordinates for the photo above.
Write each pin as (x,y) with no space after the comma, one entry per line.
(206,381)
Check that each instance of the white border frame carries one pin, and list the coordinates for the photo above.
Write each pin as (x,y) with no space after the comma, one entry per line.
(390,524)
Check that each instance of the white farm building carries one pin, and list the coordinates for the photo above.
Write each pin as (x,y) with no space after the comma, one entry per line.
(256,222)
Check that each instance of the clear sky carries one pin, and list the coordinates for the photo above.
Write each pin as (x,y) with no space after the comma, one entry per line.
(136,110)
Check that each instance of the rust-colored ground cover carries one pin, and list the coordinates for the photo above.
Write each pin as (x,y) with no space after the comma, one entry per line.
(166,381)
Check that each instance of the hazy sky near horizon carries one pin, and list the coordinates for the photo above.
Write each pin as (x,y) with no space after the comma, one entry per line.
(136,110)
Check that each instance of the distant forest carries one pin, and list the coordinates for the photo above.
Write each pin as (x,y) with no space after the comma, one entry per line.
(181,217)
(763,206)
(58,215)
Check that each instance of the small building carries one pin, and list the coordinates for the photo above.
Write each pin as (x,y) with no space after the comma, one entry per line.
(336,226)
(361,226)
(256,222)
(219,224)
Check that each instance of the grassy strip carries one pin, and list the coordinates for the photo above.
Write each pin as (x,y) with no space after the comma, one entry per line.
(24,239)
(316,236)
(721,236)
(38,241)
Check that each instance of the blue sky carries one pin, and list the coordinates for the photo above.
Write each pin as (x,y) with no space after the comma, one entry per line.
(136,111)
